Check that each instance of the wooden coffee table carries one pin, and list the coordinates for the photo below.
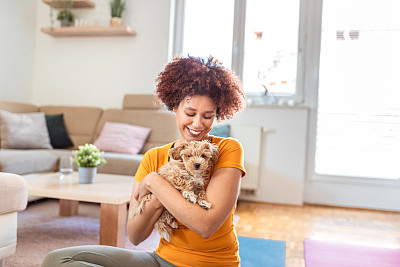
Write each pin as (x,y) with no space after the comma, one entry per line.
(111,191)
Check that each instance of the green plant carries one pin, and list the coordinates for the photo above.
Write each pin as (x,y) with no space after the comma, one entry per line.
(65,4)
(65,15)
(117,7)
(88,156)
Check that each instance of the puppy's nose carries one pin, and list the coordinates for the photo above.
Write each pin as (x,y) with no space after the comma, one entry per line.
(197,165)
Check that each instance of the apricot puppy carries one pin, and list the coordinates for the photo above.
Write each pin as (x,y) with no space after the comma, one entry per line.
(188,170)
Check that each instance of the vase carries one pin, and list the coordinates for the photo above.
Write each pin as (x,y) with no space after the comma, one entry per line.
(66,23)
(87,175)
(115,21)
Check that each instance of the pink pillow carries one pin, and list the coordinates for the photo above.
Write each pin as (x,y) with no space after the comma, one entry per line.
(122,138)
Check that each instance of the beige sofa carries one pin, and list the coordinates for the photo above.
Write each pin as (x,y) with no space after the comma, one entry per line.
(13,198)
(84,125)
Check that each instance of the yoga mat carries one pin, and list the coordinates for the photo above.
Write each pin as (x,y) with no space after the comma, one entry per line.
(327,254)
(255,252)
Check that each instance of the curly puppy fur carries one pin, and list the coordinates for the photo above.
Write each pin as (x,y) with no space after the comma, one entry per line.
(188,170)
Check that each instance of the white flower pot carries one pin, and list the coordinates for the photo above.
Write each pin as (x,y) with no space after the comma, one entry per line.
(87,175)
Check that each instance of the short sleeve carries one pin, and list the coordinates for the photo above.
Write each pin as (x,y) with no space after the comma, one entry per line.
(230,155)
(147,165)
(152,161)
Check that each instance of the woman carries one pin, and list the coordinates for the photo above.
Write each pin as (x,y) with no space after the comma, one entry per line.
(199,92)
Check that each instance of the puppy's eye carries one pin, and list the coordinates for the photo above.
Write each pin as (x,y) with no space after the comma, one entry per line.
(189,156)
(203,156)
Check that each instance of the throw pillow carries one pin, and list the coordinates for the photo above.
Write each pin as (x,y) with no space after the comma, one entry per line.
(122,138)
(24,130)
(58,133)
(221,130)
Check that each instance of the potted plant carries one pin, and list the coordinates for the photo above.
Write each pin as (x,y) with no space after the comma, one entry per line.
(88,158)
(66,17)
(117,8)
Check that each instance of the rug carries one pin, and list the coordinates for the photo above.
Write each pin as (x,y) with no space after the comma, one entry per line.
(328,254)
(255,252)
(41,230)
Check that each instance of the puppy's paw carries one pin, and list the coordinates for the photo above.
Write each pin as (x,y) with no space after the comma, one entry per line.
(136,210)
(204,204)
(165,235)
(173,224)
(190,196)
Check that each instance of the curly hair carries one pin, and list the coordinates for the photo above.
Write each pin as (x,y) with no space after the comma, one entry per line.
(189,76)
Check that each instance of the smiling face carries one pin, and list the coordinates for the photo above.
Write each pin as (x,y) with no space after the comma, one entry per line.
(195,117)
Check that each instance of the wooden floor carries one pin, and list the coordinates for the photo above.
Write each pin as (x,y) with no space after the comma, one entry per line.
(295,223)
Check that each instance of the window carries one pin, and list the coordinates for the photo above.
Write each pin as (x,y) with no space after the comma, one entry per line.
(358,126)
(208,29)
(270,48)
(258,39)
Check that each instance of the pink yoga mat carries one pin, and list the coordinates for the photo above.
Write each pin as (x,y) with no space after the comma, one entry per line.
(327,254)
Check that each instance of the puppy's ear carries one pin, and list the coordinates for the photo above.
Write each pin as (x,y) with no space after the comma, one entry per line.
(175,152)
(214,150)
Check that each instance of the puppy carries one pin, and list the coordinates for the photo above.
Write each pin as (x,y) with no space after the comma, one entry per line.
(188,170)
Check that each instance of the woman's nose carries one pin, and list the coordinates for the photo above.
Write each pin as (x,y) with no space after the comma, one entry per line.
(197,122)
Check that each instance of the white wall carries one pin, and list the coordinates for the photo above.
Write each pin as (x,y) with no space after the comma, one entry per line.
(17,28)
(99,71)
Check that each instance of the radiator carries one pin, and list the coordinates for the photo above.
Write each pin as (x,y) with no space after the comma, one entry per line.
(251,139)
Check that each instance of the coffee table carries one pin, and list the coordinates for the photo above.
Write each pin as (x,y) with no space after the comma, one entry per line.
(110,190)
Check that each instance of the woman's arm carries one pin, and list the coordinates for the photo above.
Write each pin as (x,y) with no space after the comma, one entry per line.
(139,227)
(222,192)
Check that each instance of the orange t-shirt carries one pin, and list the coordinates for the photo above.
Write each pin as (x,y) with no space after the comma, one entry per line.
(186,247)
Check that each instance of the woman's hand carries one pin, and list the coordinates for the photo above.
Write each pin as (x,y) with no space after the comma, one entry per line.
(140,226)
(143,188)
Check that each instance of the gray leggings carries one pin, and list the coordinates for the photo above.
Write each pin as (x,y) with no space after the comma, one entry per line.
(106,256)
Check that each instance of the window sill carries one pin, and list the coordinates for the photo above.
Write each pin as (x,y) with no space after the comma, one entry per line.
(273,102)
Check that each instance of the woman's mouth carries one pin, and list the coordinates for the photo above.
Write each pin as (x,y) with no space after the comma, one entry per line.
(193,133)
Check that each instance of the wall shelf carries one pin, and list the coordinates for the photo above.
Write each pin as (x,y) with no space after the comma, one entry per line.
(66,3)
(89,31)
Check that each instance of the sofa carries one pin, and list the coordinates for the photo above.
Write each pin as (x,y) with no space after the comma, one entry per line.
(85,125)
(13,196)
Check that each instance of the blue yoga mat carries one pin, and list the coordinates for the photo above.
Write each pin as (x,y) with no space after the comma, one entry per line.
(255,252)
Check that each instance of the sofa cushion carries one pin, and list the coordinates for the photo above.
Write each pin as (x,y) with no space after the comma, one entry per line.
(24,130)
(221,130)
(122,138)
(58,133)
(27,161)
(17,107)
(123,164)
(81,122)
(162,124)
(135,101)
(13,193)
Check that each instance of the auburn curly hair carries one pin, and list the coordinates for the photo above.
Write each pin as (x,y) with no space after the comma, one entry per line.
(189,76)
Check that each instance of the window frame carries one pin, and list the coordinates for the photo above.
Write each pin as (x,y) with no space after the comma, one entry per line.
(178,13)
